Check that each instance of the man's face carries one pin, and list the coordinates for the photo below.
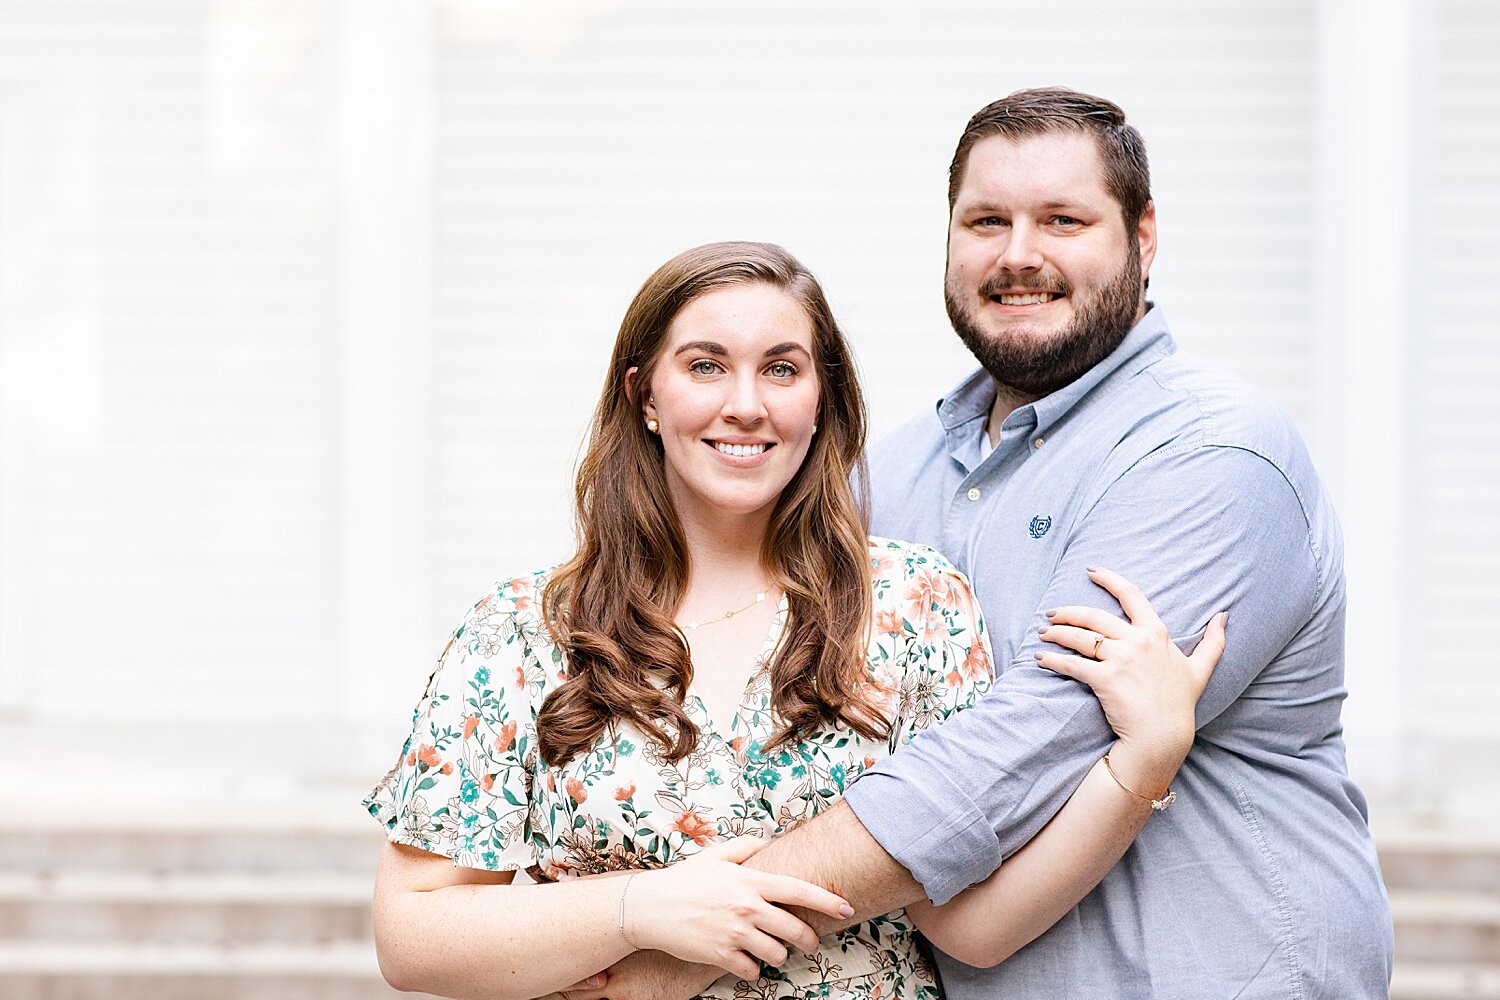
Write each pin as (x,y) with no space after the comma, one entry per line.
(1043,279)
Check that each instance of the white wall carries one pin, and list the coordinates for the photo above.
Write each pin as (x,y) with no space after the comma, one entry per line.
(304,305)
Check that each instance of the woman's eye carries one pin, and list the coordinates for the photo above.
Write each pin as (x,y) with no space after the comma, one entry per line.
(781,369)
(703,367)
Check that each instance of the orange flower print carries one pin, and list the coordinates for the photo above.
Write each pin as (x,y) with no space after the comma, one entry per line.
(869,762)
(428,755)
(977,663)
(694,825)
(470,724)
(520,678)
(888,622)
(411,758)
(487,782)
(507,737)
(448,768)
(576,791)
(521,587)
(624,792)
(738,744)
(551,782)
(881,563)
(927,595)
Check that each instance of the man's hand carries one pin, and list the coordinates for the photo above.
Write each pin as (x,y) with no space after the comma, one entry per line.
(647,975)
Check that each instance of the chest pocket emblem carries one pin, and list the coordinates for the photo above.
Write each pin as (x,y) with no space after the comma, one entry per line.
(1040,526)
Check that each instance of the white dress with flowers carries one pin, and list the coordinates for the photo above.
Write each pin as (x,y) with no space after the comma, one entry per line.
(470,785)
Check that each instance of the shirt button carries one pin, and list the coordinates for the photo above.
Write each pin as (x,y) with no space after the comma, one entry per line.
(1039,442)
(974,493)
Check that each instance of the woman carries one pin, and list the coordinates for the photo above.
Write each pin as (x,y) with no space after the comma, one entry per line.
(725,652)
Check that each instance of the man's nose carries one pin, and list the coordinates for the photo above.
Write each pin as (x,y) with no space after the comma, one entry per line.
(1022,250)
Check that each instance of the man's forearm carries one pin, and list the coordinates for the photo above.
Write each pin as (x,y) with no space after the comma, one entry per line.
(837,852)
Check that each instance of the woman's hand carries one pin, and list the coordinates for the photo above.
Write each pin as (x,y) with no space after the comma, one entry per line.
(1147,687)
(712,910)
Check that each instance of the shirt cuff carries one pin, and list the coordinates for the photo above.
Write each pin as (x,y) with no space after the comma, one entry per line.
(930,826)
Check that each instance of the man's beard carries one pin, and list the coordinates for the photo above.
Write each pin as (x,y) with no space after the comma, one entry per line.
(1039,366)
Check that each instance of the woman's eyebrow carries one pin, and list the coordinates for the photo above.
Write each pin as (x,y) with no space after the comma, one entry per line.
(785,348)
(706,346)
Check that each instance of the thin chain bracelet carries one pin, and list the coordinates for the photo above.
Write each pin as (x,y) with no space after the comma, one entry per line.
(620,917)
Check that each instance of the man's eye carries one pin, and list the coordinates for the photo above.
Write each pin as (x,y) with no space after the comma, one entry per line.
(1067,220)
(990,220)
(781,369)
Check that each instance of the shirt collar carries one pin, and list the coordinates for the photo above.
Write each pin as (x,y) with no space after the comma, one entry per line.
(970,400)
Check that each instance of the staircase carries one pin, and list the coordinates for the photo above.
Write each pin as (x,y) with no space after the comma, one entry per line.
(275,905)
(1445,898)
(259,909)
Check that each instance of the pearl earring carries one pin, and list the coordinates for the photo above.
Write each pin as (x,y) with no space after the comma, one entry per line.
(653,426)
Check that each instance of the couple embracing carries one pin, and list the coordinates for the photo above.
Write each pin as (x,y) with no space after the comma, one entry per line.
(754,739)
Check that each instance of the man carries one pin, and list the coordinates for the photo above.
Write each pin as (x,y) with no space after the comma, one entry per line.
(1086,440)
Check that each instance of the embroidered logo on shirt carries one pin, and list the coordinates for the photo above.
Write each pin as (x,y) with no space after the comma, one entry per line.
(1040,526)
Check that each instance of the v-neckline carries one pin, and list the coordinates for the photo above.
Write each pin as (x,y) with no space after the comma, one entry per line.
(708,724)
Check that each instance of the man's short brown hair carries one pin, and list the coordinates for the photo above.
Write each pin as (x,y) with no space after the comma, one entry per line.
(1029,113)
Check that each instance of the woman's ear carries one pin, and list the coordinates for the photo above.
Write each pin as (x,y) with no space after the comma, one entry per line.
(633,393)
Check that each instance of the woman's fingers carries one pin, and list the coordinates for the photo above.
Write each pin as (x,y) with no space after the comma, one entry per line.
(780,924)
(764,947)
(1084,617)
(1210,648)
(736,850)
(1080,668)
(795,892)
(1132,601)
(1082,640)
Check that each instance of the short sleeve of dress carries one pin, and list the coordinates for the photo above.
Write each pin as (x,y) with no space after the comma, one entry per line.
(462,785)
(932,634)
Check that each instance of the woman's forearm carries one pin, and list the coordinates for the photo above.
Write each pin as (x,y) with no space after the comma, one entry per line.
(499,941)
(1037,885)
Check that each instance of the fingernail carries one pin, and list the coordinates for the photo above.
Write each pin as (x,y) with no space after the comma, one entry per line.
(1223,618)
(846,910)
(1043,630)
(1093,569)
(1052,613)
(597,979)
(1039,656)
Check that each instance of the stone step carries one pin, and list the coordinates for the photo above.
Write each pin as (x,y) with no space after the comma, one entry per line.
(1446,926)
(96,971)
(273,849)
(1465,860)
(1446,981)
(180,908)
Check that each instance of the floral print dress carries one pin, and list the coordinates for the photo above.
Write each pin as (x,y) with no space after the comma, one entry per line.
(470,785)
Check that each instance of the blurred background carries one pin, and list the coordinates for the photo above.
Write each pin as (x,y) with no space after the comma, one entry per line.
(304,305)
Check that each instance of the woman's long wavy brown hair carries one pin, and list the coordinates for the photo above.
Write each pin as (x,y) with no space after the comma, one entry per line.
(610,608)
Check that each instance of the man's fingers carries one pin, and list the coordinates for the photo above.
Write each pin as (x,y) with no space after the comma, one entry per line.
(594,982)
(1132,601)
(794,891)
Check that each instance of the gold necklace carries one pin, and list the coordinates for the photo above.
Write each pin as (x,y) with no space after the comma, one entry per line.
(757,599)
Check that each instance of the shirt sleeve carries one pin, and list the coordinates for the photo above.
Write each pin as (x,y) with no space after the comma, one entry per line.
(1199,530)
(462,786)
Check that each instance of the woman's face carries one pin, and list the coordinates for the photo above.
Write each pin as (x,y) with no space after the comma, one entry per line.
(735,393)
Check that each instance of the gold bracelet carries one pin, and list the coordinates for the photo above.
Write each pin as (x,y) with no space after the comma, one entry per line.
(620,917)
(1167,797)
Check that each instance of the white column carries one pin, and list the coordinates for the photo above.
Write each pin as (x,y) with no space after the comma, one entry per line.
(1369,75)
(382,380)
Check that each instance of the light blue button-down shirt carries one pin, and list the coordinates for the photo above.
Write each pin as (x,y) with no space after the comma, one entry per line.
(1261,880)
